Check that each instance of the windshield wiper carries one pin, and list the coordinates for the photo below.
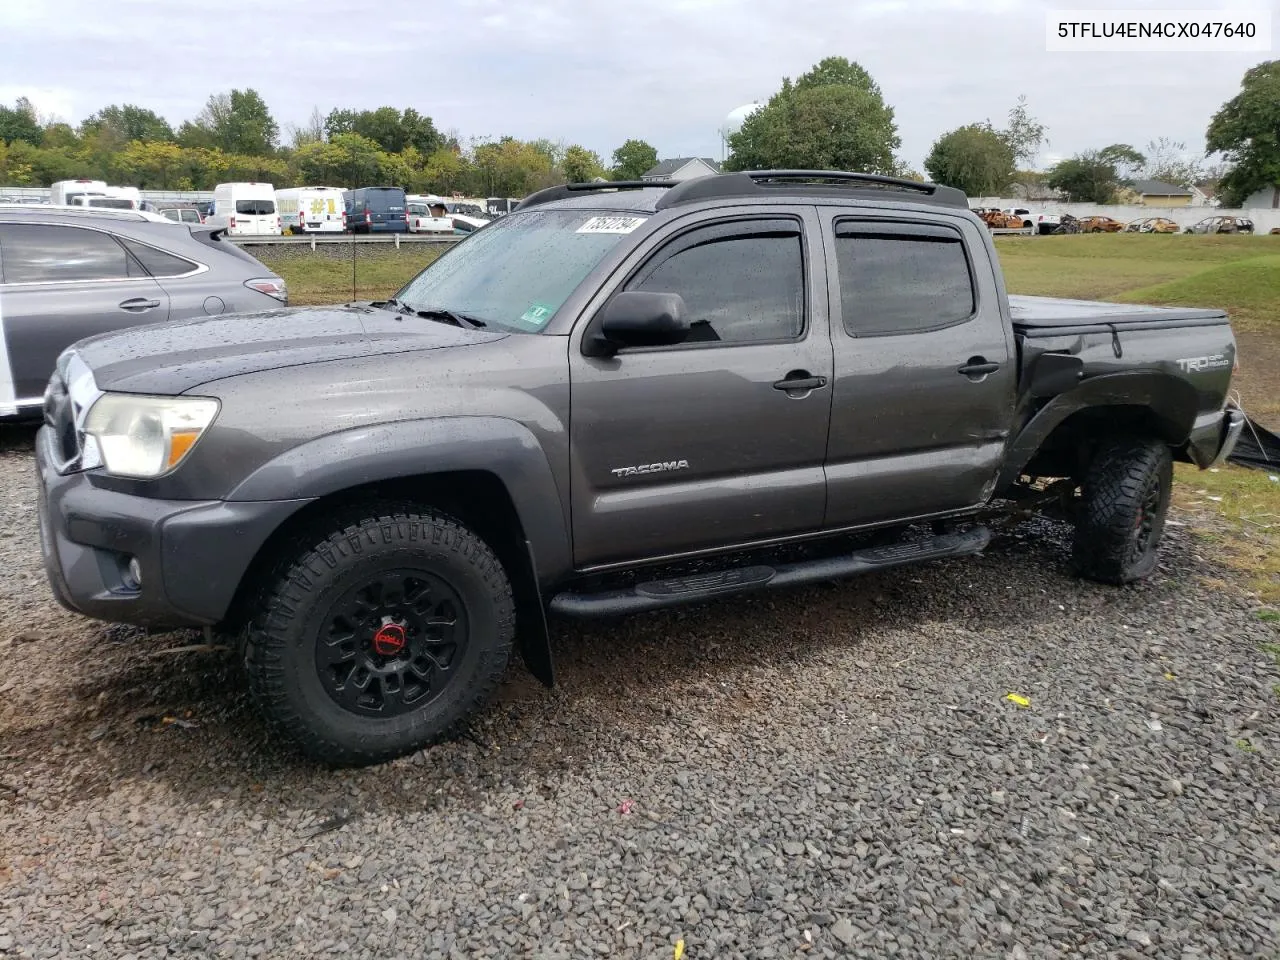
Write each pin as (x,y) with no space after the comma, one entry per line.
(466,321)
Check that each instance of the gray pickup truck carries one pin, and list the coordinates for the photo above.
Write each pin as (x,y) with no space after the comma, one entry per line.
(618,398)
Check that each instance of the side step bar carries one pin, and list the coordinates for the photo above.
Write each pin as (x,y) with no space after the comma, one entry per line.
(657,594)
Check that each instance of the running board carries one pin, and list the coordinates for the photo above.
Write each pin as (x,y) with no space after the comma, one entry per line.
(657,594)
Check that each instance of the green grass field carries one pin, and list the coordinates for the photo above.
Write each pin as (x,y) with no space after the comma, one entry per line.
(316,279)
(1239,274)
(1235,511)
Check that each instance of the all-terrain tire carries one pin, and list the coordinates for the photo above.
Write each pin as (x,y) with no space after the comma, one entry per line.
(368,567)
(1122,508)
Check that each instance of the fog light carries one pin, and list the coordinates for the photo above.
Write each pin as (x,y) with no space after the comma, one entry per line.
(133,578)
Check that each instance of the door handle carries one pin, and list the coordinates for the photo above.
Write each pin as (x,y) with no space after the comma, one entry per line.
(978,367)
(137,304)
(799,380)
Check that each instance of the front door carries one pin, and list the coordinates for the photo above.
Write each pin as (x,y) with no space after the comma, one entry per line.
(925,370)
(61,284)
(703,444)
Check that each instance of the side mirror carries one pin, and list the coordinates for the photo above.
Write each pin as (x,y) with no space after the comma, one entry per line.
(637,318)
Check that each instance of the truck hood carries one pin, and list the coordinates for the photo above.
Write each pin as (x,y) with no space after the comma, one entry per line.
(172,358)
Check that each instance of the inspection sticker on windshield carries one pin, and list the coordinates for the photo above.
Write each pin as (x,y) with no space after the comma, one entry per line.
(537,316)
(611,224)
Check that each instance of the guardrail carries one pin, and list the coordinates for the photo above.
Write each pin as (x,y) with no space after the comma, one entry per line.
(313,239)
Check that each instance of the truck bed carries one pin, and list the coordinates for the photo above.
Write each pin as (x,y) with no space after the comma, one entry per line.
(1054,316)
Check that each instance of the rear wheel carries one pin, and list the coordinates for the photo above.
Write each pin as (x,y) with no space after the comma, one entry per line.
(1122,508)
(379,635)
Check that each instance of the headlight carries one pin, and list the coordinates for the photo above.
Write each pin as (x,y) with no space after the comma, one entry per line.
(147,436)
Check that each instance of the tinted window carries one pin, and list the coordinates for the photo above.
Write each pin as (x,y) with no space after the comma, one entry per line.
(515,273)
(36,252)
(901,279)
(171,214)
(737,285)
(256,208)
(381,199)
(157,262)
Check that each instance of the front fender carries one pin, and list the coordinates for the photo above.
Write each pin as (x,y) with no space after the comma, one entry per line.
(1172,401)
(410,448)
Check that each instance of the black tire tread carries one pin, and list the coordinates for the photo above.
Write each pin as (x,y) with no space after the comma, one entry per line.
(292,577)
(1112,494)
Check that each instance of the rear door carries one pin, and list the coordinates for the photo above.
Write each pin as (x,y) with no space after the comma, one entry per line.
(698,445)
(924,373)
(387,207)
(61,284)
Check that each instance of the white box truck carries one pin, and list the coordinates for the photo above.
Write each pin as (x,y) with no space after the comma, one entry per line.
(245,210)
(311,210)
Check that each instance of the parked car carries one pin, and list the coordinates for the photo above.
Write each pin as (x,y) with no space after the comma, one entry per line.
(472,210)
(462,223)
(1222,224)
(1151,225)
(1025,216)
(379,501)
(179,212)
(312,210)
(245,210)
(1048,222)
(1100,224)
(429,218)
(376,210)
(68,273)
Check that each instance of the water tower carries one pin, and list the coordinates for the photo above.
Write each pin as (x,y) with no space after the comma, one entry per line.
(733,123)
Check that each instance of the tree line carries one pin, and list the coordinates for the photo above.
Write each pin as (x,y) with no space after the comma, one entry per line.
(834,117)
(235,137)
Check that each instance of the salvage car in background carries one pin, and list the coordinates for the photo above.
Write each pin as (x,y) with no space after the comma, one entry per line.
(1222,224)
(1100,224)
(67,273)
(1152,225)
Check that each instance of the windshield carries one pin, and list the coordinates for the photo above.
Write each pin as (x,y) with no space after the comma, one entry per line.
(516,272)
(256,208)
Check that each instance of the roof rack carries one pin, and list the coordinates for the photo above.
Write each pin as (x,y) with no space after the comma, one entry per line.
(759,183)
(569,189)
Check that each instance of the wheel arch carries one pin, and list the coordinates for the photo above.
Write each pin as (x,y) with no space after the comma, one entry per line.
(1144,403)
(489,473)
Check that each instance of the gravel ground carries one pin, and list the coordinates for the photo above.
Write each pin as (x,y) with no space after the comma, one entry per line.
(834,771)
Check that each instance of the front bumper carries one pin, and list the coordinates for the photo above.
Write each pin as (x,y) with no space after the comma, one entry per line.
(192,554)
(1214,436)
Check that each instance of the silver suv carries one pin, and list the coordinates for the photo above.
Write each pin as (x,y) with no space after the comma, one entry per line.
(67,274)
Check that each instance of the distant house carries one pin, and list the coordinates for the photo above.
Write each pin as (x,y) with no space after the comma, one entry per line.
(682,168)
(1204,194)
(1266,197)
(1157,193)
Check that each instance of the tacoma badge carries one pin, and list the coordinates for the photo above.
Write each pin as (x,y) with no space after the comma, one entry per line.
(665,466)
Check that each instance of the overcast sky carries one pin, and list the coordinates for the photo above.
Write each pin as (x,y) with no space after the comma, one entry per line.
(598,72)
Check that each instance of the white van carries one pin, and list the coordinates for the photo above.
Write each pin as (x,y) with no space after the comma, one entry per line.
(311,210)
(73,192)
(245,209)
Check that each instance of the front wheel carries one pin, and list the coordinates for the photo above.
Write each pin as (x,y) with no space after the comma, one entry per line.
(379,635)
(1121,513)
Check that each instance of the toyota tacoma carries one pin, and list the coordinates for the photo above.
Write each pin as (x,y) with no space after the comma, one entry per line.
(618,398)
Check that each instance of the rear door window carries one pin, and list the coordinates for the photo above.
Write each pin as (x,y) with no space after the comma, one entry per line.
(48,253)
(255,208)
(901,278)
(157,262)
